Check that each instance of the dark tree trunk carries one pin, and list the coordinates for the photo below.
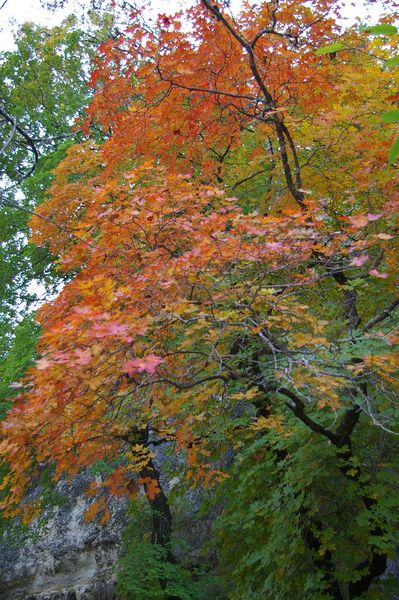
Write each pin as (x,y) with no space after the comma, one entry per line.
(161,516)
(161,528)
(374,568)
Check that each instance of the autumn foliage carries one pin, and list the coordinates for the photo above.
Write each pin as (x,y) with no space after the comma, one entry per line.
(231,238)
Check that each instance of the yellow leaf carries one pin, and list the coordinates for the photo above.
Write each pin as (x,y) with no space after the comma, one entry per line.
(273,422)
(248,395)
(91,512)
(105,517)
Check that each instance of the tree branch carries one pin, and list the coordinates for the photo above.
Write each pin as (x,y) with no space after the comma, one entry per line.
(347,425)
(29,141)
(281,130)
(298,408)
(350,299)
(382,315)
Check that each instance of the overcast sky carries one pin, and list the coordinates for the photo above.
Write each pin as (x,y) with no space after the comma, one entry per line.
(16,12)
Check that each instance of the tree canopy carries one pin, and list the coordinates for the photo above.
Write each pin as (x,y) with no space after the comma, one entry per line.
(228,229)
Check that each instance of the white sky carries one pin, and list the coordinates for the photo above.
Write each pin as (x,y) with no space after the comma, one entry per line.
(16,12)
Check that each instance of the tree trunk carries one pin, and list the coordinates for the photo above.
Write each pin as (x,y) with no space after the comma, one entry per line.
(161,529)
(161,516)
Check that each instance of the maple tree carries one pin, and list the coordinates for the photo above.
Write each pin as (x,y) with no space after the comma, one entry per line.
(232,239)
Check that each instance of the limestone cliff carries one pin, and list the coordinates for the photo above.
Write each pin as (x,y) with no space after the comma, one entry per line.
(68,559)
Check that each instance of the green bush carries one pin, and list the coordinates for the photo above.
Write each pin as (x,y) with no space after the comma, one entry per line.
(144,573)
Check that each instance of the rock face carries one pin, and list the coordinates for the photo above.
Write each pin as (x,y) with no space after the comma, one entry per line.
(73,560)
(69,559)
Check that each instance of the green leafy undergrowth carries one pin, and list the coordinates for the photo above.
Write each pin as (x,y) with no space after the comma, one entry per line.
(144,573)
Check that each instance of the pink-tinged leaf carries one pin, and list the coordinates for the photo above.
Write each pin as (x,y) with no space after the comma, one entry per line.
(363,220)
(62,357)
(166,284)
(146,364)
(83,356)
(273,245)
(375,273)
(43,363)
(372,217)
(384,236)
(65,260)
(109,329)
(82,310)
(358,261)
(359,220)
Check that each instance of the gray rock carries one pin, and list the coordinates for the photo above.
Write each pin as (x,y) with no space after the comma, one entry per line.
(69,559)
(66,559)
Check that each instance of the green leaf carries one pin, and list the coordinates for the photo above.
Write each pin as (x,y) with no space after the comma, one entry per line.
(392,116)
(392,62)
(331,48)
(382,29)
(394,151)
